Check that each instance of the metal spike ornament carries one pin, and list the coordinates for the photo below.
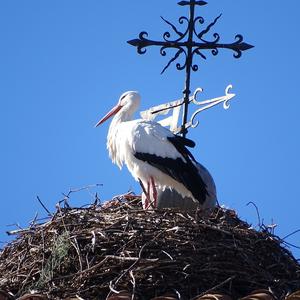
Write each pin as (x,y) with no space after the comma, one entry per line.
(188,43)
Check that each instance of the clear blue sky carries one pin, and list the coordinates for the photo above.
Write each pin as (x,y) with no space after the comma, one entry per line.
(64,63)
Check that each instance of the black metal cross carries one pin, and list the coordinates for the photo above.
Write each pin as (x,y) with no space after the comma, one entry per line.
(187,47)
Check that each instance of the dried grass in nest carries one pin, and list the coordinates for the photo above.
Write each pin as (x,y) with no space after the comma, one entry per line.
(95,251)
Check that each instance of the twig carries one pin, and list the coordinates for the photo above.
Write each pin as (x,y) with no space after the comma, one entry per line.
(16,224)
(71,191)
(112,289)
(33,222)
(165,252)
(123,259)
(215,228)
(291,245)
(294,232)
(76,246)
(96,200)
(215,287)
(88,187)
(45,208)
(133,285)
(43,243)
(257,212)
(18,231)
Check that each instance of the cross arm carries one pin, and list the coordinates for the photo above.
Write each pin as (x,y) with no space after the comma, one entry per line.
(238,46)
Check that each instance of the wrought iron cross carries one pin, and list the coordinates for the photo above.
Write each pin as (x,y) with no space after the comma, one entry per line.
(187,47)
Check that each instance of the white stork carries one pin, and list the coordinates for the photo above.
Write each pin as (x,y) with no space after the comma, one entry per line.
(153,155)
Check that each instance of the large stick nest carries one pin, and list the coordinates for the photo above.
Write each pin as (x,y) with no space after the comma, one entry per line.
(96,251)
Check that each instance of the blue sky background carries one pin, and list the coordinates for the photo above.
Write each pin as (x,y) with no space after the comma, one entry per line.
(64,63)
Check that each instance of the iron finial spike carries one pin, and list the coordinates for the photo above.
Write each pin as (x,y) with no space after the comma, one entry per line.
(192,2)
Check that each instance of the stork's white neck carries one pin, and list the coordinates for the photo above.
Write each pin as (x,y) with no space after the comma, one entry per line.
(125,114)
(115,135)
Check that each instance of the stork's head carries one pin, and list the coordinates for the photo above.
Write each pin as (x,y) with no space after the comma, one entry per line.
(127,105)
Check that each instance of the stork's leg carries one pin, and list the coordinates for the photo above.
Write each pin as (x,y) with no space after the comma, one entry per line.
(146,193)
(154,192)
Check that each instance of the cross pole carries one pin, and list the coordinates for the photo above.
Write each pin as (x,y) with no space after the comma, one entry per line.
(187,47)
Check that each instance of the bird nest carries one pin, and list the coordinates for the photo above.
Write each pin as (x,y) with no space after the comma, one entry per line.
(96,252)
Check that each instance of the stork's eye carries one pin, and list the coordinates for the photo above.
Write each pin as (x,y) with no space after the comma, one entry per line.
(122,98)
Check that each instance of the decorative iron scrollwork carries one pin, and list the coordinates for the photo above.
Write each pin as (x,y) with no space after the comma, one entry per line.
(188,34)
(186,47)
(175,106)
(206,104)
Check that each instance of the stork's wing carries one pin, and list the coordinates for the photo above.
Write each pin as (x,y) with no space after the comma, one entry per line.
(167,152)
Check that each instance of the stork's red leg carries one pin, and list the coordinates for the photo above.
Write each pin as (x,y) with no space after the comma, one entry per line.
(150,203)
(146,193)
(154,192)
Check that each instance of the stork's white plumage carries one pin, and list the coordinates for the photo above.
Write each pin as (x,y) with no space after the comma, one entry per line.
(153,154)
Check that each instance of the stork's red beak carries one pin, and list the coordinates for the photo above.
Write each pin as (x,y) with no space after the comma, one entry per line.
(112,112)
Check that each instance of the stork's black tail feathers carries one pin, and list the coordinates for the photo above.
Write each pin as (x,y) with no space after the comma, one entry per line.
(183,141)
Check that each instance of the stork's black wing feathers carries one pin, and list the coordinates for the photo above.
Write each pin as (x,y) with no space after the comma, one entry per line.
(182,171)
